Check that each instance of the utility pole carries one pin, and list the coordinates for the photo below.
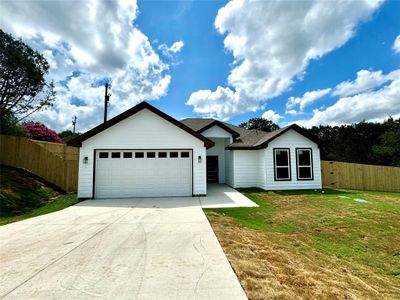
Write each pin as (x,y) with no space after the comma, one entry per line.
(106,101)
(74,123)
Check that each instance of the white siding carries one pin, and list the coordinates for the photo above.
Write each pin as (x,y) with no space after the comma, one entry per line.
(229,167)
(216,132)
(255,168)
(292,140)
(247,168)
(143,130)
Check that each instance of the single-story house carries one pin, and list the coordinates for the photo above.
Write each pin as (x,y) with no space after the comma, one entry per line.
(144,152)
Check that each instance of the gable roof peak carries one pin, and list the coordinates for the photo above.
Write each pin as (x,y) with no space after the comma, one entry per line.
(77,142)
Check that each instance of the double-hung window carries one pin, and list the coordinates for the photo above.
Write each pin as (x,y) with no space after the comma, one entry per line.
(304,164)
(282,164)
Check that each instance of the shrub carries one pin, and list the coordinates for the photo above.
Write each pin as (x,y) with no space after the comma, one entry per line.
(38,131)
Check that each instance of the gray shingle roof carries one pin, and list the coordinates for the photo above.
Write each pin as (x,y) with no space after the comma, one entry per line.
(247,138)
(252,139)
(197,123)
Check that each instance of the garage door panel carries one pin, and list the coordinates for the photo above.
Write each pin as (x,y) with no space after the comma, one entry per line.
(143,177)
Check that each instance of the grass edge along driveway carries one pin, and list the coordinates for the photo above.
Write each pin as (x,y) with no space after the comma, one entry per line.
(335,244)
(58,203)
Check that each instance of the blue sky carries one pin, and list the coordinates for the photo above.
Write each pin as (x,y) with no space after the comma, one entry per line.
(307,62)
(206,63)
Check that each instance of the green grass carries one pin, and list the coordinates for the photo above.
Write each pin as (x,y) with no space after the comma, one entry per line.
(23,196)
(58,204)
(363,233)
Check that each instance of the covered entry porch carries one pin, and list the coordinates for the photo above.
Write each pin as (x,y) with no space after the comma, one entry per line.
(218,161)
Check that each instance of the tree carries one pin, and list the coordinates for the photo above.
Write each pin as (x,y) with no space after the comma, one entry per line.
(10,125)
(38,131)
(260,124)
(364,142)
(68,135)
(23,87)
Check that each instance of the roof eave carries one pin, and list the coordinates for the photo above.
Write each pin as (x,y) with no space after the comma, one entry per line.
(245,147)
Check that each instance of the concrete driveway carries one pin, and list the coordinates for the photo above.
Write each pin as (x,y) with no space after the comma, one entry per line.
(160,248)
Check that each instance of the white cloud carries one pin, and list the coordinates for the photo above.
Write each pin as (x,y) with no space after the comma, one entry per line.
(177,46)
(365,81)
(272,116)
(308,98)
(222,103)
(272,43)
(291,112)
(396,45)
(171,51)
(374,105)
(93,40)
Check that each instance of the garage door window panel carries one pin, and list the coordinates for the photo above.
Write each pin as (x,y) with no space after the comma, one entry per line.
(162,155)
(103,155)
(151,154)
(185,154)
(173,155)
(127,154)
(115,154)
(282,164)
(139,154)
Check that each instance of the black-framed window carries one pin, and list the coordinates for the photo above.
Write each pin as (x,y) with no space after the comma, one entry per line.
(173,154)
(304,164)
(103,154)
(151,154)
(127,155)
(282,164)
(115,154)
(139,154)
(185,154)
(162,154)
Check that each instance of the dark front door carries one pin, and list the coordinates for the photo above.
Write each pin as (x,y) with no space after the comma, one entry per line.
(212,169)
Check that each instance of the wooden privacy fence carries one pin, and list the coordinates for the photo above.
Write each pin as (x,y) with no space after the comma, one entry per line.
(360,177)
(56,163)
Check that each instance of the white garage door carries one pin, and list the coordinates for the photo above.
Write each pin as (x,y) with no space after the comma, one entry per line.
(143,173)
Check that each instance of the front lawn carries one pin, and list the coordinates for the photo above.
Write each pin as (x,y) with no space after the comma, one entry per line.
(314,245)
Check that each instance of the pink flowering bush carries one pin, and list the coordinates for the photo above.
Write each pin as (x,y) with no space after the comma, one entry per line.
(38,131)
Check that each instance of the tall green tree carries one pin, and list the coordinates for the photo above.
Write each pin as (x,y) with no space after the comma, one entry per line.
(260,124)
(23,86)
(364,142)
(68,135)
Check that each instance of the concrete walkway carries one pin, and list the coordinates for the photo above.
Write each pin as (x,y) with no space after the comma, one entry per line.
(161,248)
(221,195)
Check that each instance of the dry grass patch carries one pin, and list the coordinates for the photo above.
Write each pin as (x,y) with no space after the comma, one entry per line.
(313,246)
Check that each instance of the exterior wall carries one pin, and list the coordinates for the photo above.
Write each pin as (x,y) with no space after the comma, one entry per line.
(229,167)
(216,132)
(255,168)
(292,140)
(247,171)
(143,130)
(219,150)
